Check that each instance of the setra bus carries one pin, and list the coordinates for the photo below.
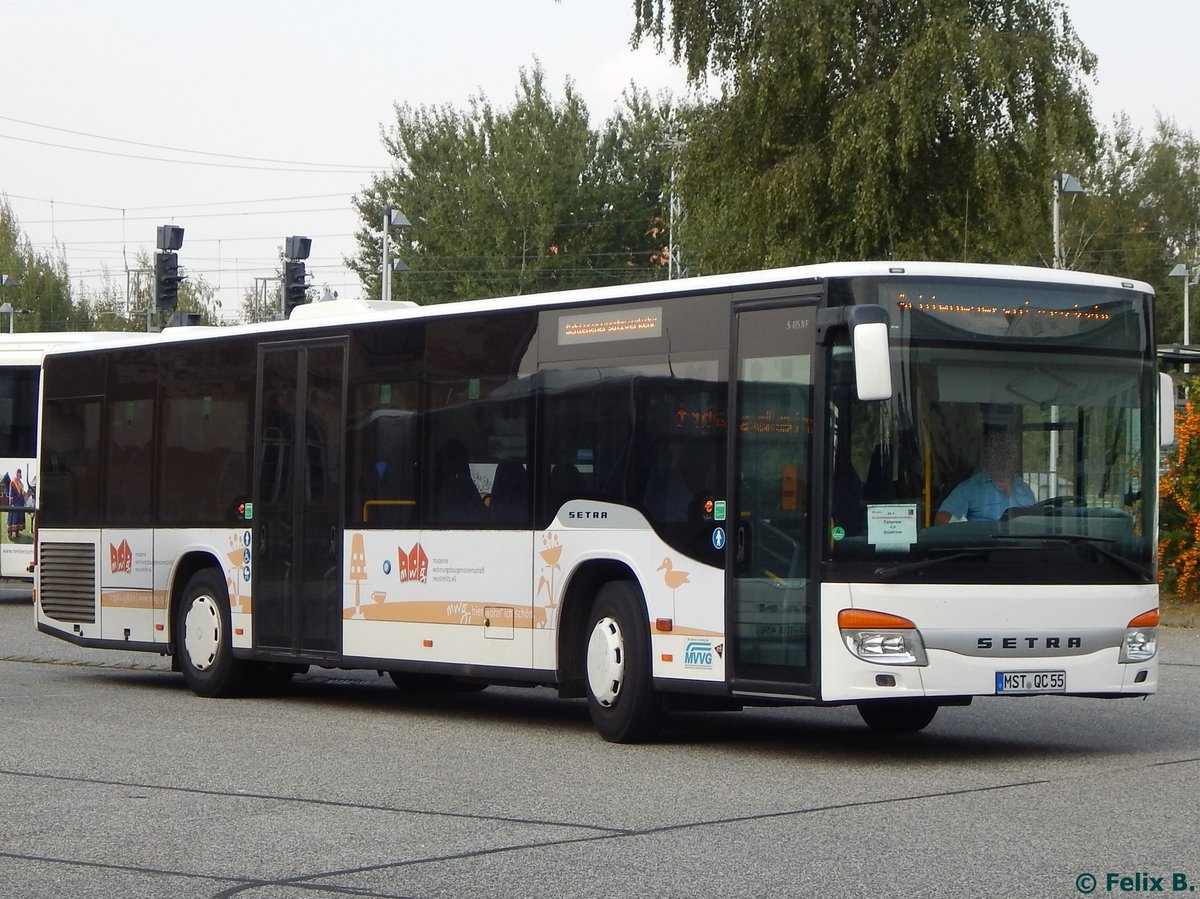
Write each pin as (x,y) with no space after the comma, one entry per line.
(20,372)
(705,493)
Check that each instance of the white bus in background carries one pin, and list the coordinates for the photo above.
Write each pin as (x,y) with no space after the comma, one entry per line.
(20,372)
(705,493)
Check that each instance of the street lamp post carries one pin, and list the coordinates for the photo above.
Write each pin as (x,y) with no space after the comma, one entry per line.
(392,218)
(1063,184)
(674,209)
(1183,271)
(8,281)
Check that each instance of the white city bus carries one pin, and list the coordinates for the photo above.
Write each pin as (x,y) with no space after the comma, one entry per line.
(20,372)
(713,492)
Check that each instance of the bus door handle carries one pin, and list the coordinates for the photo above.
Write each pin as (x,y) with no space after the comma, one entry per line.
(741,549)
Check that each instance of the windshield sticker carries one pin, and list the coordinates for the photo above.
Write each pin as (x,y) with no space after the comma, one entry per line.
(892,528)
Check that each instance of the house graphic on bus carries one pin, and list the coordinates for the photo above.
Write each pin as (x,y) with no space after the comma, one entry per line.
(120,558)
(414,565)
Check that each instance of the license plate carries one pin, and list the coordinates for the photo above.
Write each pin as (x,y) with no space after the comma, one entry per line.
(1031,682)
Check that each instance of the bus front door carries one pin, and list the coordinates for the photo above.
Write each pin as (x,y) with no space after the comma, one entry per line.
(770,594)
(297,604)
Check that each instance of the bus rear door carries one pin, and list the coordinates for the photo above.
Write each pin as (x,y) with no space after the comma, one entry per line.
(299,445)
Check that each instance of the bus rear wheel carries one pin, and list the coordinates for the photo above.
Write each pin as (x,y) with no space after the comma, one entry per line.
(203,639)
(897,716)
(622,701)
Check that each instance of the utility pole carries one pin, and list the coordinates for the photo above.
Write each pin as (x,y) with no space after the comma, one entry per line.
(392,218)
(1063,184)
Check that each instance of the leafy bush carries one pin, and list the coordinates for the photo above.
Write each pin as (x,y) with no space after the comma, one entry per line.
(1179,504)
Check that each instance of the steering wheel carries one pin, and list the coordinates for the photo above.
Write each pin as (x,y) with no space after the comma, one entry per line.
(1067,501)
(1059,502)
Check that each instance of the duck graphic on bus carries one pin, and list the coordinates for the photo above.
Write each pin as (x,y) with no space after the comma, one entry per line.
(674,579)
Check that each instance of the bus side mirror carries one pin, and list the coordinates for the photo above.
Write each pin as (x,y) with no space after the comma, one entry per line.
(872,365)
(868,327)
(1166,410)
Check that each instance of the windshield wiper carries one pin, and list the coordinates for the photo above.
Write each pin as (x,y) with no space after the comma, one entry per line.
(1096,545)
(886,574)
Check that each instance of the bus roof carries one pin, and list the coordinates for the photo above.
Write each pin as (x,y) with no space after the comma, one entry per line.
(337,312)
(29,348)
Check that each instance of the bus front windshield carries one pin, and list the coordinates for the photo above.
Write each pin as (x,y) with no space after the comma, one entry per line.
(1014,448)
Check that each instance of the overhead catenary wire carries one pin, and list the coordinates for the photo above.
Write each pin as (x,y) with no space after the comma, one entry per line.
(99,264)
(177,206)
(334,166)
(219,165)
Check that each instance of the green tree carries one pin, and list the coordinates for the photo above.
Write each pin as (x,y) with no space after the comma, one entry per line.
(1179,498)
(40,292)
(107,306)
(866,128)
(255,307)
(197,295)
(1170,196)
(518,200)
(1109,229)
(264,301)
(1140,215)
(124,306)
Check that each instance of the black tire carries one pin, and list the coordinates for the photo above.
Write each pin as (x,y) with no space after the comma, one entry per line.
(622,701)
(203,639)
(897,716)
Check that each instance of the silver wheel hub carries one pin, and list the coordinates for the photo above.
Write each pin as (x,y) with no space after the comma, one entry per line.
(606,661)
(202,632)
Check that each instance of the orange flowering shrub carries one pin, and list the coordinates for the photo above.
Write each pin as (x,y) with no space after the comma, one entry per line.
(1179,504)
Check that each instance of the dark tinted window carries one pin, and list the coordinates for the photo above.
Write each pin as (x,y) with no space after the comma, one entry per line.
(478,414)
(383,433)
(69,490)
(1033,315)
(129,458)
(643,436)
(204,467)
(18,412)
(634,413)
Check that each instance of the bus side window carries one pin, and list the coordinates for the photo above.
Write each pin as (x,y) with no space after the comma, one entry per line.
(383,427)
(71,456)
(510,493)
(666,498)
(564,482)
(476,415)
(456,500)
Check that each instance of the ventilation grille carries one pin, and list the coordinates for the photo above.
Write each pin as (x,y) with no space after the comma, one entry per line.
(68,581)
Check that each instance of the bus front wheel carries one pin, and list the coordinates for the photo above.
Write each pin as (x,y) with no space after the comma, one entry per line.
(203,640)
(897,716)
(622,701)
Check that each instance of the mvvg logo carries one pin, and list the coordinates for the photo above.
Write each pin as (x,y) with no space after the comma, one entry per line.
(698,654)
(120,558)
(414,565)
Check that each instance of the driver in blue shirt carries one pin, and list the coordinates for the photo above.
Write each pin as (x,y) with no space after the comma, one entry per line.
(993,491)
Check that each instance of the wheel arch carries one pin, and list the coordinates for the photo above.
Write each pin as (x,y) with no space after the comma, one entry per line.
(578,595)
(188,565)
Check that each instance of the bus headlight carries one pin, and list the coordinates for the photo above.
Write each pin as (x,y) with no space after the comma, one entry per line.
(1141,638)
(881,638)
